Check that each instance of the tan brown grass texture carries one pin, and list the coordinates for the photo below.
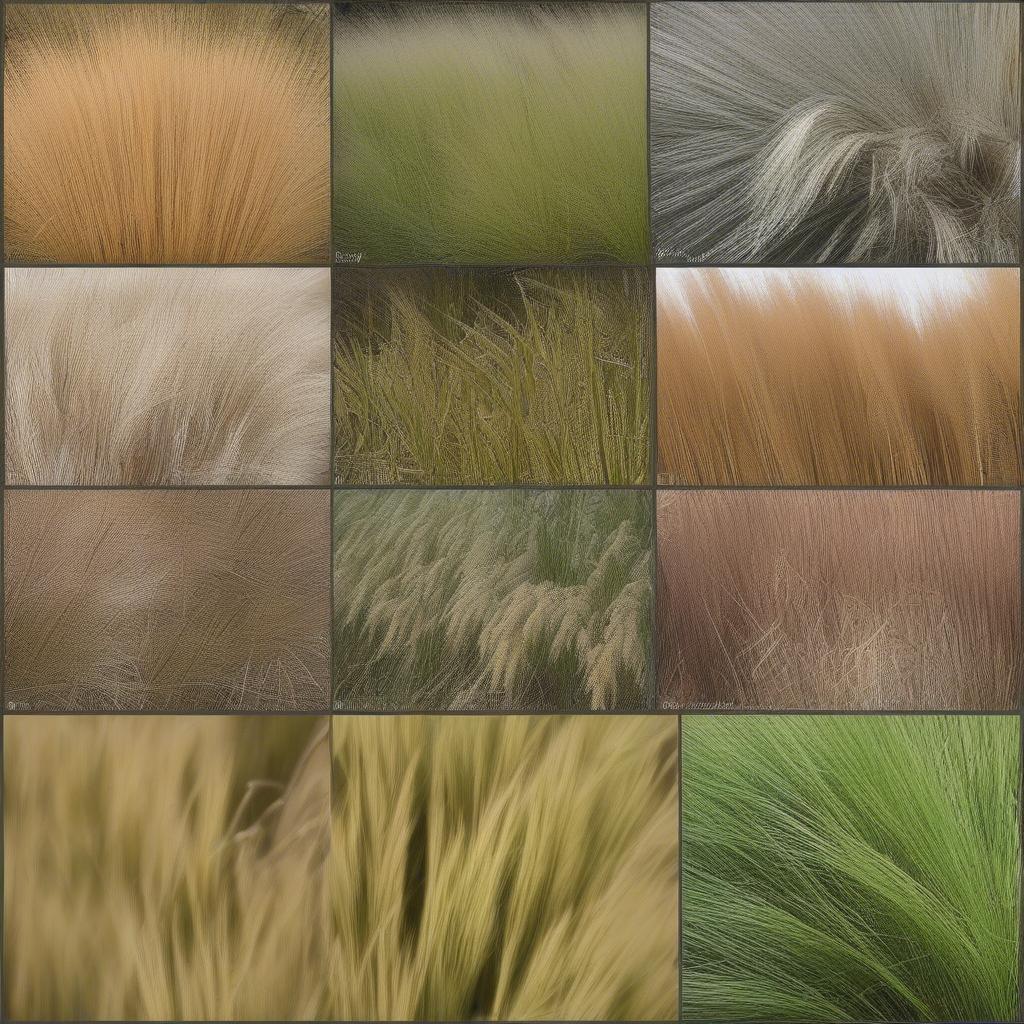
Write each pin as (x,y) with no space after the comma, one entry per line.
(168,376)
(167,599)
(164,868)
(167,133)
(845,600)
(808,383)
(504,868)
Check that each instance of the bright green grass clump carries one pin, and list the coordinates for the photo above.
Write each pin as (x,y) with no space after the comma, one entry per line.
(850,868)
(486,378)
(491,133)
(522,600)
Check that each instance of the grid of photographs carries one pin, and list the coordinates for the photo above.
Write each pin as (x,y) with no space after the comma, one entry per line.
(512,511)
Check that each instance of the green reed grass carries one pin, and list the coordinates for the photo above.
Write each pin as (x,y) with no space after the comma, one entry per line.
(532,377)
(492,599)
(491,133)
(850,868)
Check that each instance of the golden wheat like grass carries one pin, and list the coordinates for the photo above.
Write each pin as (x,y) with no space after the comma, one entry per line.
(848,600)
(167,133)
(183,868)
(167,376)
(518,868)
(191,600)
(164,868)
(806,383)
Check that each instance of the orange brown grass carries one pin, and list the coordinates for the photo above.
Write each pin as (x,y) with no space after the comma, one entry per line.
(167,133)
(808,384)
(844,600)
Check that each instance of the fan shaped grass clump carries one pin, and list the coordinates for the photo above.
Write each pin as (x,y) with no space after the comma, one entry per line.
(517,868)
(870,599)
(520,600)
(192,600)
(167,133)
(850,868)
(164,868)
(490,133)
(167,376)
(478,378)
(836,132)
(839,377)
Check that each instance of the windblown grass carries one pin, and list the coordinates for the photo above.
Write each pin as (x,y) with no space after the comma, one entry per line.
(802,381)
(166,599)
(518,868)
(850,868)
(490,133)
(167,376)
(164,868)
(492,599)
(836,132)
(840,599)
(167,133)
(483,378)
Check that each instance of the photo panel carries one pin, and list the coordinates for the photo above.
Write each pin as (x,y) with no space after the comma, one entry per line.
(167,133)
(461,600)
(167,376)
(490,133)
(165,867)
(839,377)
(457,377)
(835,133)
(839,600)
(518,868)
(839,868)
(185,600)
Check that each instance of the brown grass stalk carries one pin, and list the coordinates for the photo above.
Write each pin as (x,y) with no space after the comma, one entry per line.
(810,384)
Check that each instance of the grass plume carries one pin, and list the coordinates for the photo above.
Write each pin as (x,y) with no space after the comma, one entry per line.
(484,378)
(490,133)
(195,600)
(845,600)
(850,868)
(522,600)
(167,376)
(167,133)
(807,381)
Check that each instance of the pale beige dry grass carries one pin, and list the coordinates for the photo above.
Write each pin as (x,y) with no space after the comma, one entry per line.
(167,376)
(164,868)
(810,384)
(518,868)
(167,133)
(847,600)
(167,599)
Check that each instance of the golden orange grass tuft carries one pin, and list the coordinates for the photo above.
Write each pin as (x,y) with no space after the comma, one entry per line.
(167,133)
(167,599)
(165,867)
(809,384)
(906,600)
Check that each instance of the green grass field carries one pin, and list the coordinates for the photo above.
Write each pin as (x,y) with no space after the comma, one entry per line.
(491,133)
(488,378)
(519,600)
(850,868)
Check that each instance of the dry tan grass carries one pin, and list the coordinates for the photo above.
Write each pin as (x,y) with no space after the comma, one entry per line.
(164,868)
(839,599)
(167,133)
(808,385)
(167,376)
(167,599)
